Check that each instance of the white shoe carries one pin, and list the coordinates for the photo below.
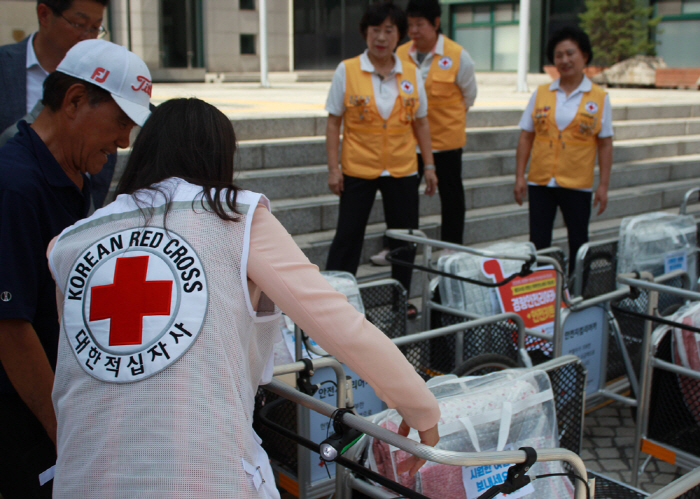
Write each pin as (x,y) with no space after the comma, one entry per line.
(380,258)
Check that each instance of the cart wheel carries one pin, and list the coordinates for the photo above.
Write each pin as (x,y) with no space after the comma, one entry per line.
(484,364)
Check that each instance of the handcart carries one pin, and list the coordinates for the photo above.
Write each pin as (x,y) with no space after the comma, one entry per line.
(344,481)
(585,327)
(668,422)
(349,474)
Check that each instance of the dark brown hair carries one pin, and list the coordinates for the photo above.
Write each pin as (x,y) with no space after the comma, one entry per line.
(191,140)
(377,12)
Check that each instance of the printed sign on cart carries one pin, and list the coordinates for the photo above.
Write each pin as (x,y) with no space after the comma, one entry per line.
(135,302)
(583,336)
(675,260)
(366,404)
(531,297)
(478,479)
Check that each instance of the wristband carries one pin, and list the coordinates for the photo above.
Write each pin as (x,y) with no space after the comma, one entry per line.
(428,167)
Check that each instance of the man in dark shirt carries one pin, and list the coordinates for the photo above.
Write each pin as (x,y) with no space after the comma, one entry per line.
(92,101)
(25,65)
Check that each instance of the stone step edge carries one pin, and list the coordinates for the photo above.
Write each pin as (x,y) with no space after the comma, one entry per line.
(261,173)
(598,230)
(476,214)
(470,131)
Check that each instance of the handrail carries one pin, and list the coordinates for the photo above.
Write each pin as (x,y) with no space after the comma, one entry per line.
(429,453)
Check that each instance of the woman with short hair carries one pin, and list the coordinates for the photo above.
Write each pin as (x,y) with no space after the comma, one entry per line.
(563,127)
(382,105)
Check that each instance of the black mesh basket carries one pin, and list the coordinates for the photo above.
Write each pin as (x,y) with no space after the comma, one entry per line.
(281,450)
(606,488)
(385,307)
(599,270)
(674,409)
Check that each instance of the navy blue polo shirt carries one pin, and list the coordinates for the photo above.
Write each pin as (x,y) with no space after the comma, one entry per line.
(37,201)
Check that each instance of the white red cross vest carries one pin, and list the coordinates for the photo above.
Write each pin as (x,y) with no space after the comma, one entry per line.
(161,353)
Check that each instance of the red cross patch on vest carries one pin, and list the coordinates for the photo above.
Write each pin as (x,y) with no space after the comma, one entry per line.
(135,302)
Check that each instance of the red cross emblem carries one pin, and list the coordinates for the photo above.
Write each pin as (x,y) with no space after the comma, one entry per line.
(445,63)
(591,107)
(129,299)
(406,86)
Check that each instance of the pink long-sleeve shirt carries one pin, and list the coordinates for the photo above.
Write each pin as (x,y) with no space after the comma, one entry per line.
(278,267)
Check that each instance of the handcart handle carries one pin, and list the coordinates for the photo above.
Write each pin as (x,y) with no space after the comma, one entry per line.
(686,199)
(429,453)
(679,486)
(646,281)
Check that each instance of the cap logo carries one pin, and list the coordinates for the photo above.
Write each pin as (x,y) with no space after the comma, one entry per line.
(135,303)
(100,75)
(144,84)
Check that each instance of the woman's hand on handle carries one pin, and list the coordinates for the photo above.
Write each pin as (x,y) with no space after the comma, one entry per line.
(428,437)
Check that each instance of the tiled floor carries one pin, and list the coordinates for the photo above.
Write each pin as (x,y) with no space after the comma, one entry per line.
(608,443)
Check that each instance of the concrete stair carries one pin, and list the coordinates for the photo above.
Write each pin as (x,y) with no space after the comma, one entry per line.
(656,160)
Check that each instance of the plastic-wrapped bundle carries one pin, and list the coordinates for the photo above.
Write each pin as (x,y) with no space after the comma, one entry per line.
(658,243)
(500,411)
(686,353)
(472,298)
(345,283)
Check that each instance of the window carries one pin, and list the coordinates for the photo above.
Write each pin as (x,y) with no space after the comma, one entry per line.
(246,4)
(489,32)
(248,44)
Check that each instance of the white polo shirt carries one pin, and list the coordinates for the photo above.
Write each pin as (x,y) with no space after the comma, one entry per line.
(567,107)
(565,111)
(386,90)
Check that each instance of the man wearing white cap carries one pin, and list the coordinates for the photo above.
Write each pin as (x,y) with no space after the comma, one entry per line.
(92,101)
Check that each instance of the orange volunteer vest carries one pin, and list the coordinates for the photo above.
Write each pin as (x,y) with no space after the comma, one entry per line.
(370,143)
(447,112)
(567,155)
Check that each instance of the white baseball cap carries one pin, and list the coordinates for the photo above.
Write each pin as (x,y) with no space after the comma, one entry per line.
(113,68)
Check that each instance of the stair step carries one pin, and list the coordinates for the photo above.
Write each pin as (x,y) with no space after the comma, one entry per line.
(320,212)
(506,221)
(307,126)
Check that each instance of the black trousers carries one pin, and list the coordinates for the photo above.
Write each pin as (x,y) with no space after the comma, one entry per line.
(400,201)
(575,206)
(448,168)
(25,451)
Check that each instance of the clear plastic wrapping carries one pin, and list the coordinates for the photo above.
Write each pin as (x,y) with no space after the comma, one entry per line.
(500,411)
(472,298)
(658,243)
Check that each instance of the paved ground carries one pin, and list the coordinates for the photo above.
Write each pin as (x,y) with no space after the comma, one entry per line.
(286,97)
(608,443)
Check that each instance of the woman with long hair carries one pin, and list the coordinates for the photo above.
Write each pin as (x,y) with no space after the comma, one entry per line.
(170,299)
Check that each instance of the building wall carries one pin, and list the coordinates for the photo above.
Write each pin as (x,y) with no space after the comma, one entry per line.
(224,22)
(144,28)
(17,20)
